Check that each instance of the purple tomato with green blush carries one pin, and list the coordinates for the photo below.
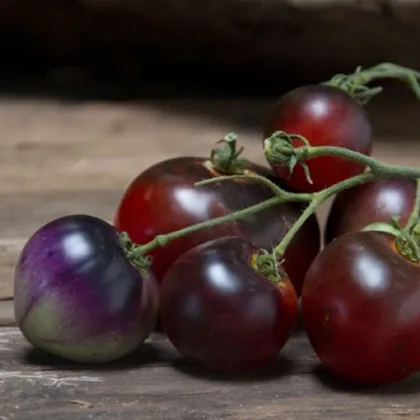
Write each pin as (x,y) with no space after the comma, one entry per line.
(78,296)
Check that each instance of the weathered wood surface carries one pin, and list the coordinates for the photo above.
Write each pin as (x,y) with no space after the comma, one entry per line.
(272,39)
(60,157)
(156,384)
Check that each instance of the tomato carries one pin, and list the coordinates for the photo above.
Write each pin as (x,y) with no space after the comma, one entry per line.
(325,116)
(373,202)
(360,307)
(77,294)
(163,199)
(218,310)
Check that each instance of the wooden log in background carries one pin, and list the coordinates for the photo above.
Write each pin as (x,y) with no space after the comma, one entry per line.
(267,38)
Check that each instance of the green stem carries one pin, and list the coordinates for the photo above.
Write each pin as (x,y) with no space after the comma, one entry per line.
(374,165)
(279,150)
(356,83)
(278,191)
(414,215)
(163,240)
(319,198)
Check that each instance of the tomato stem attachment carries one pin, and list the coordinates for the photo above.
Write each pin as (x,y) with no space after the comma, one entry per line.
(227,159)
(407,242)
(133,253)
(268,264)
(355,84)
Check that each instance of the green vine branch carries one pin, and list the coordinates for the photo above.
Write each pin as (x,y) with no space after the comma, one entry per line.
(279,147)
(413,219)
(314,199)
(356,83)
(279,150)
(163,240)
(283,195)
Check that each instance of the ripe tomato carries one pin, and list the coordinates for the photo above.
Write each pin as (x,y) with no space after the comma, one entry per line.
(217,309)
(360,307)
(163,199)
(325,116)
(372,202)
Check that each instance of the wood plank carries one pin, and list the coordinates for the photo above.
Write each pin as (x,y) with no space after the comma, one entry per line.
(155,383)
(7,315)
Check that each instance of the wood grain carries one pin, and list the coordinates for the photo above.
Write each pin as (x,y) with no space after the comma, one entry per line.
(155,383)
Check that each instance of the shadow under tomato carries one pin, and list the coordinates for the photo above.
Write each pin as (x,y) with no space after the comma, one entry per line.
(147,354)
(299,329)
(282,366)
(410,385)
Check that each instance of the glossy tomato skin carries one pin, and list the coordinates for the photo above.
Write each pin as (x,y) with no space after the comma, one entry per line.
(218,310)
(77,296)
(360,308)
(163,199)
(376,201)
(325,116)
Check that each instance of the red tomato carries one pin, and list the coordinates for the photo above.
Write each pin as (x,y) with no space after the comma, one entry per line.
(219,310)
(163,199)
(325,116)
(376,201)
(360,307)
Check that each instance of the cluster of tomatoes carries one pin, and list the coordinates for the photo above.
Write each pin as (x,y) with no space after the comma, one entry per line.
(81,293)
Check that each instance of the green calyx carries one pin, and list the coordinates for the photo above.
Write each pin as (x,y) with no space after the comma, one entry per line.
(279,150)
(385,227)
(269,265)
(407,244)
(407,238)
(408,241)
(226,159)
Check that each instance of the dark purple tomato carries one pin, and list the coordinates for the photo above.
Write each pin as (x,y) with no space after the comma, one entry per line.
(218,310)
(325,116)
(76,294)
(373,202)
(360,308)
(163,199)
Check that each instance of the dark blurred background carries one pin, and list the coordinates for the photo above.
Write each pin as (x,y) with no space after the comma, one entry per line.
(219,47)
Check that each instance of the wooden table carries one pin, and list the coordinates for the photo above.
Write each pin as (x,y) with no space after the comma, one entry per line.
(59,157)
(157,384)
